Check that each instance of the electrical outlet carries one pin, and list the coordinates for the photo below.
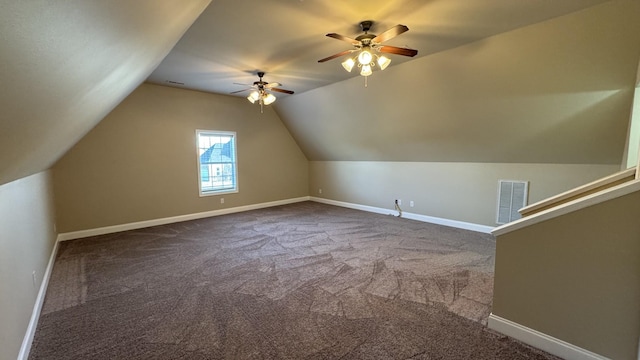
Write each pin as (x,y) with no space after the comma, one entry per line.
(320,191)
(399,202)
(411,203)
(221,200)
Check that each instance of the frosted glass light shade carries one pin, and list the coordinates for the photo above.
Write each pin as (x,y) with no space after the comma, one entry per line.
(253,97)
(269,99)
(383,62)
(348,64)
(366,70)
(365,57)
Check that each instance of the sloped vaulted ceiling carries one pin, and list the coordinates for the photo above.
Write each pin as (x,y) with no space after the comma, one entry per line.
(65,64)
(494,81)
(524,81)
(558,91)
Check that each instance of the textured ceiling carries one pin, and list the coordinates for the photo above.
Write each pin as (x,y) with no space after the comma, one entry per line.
(233,39)
(65,65)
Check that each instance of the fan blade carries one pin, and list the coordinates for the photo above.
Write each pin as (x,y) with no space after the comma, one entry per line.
(390,34)
(271,85)
(344,38)
(398,51)
(239,91)
(282,90)
(336,55)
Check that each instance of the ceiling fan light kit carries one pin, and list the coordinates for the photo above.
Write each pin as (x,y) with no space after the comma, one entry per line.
(261,97)
(366,47)
(365,62)
(260,91)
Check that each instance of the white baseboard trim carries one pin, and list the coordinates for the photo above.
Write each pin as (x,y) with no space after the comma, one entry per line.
(174,219)
(169,220)
(424,218)
(25,348)
(540,340)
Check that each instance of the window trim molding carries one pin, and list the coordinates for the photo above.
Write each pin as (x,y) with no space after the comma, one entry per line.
(198,164)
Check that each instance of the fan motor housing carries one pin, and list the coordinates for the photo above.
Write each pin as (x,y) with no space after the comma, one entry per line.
(366,25)
(366,38)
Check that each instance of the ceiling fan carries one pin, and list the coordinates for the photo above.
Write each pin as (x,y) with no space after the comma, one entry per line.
(260,91)
(367,45)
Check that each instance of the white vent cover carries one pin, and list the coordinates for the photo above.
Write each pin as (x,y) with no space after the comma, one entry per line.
(512,196)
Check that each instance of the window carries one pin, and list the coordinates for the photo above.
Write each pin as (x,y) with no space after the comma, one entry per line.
(217,162)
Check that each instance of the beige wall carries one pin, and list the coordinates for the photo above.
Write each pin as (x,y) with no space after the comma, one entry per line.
(456,191)
(27,238)
(576,277)
(140,162)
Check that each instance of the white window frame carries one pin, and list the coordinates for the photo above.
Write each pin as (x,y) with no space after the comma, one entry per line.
(234,163)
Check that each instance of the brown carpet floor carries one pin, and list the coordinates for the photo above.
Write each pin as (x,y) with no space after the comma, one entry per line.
(301,281)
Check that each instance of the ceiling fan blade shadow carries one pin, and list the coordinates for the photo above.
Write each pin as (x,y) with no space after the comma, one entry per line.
(282,90)
(239,91)
(336,55)
(391,33)
(398,51)
(344,38)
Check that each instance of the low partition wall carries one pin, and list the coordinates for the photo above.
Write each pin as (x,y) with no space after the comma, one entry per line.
(567,279)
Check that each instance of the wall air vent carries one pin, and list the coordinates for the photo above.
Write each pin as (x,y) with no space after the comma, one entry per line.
(512,196)
(174,82)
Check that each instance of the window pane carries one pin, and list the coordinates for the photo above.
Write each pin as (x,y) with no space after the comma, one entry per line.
(217,158)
